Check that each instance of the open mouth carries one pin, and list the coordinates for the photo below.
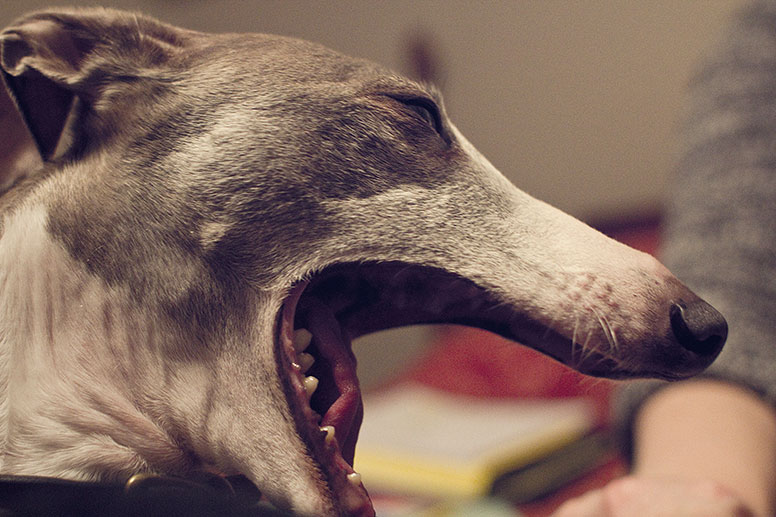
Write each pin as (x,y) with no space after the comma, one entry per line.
(319,372)
(321,317)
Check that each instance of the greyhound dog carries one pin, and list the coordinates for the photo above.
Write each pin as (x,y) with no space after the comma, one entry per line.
(200,224)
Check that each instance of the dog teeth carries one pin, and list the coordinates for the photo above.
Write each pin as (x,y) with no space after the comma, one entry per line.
(302,338)
(354,478)
(305,361)
(329,430)
(310,385)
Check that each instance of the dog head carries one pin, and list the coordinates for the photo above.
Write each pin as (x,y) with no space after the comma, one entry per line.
(219,215)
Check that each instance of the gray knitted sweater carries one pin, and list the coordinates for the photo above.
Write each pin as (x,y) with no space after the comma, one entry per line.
(720,234)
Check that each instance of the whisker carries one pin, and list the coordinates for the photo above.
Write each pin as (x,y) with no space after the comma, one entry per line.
(607,329)
(587,349)
(574,343)
(615,343)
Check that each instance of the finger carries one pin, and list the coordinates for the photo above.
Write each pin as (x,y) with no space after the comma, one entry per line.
(640,497)
(590,504)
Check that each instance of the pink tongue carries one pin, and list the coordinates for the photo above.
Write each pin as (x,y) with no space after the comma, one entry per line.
(332,347)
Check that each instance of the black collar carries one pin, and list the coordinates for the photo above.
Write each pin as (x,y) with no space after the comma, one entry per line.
(143,495)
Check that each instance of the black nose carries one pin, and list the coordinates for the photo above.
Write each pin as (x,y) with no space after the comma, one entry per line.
(698,327)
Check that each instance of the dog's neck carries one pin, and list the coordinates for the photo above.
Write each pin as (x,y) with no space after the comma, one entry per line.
(69,384)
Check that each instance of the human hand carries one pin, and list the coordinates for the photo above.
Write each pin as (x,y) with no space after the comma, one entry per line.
(633,496)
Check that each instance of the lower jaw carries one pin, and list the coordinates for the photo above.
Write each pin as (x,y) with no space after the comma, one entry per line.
(330,438)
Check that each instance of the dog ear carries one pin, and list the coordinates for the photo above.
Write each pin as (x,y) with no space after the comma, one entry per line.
(58,63)
(17,150)
(41,59)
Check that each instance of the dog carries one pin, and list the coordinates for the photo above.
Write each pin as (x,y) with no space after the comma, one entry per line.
(198,225)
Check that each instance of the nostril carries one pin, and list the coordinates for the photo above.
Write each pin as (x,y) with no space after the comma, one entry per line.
(698,327)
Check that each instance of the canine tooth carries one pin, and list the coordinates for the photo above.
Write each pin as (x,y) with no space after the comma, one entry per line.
(302,338)
(354,478)
(310,385)
(329,430)
(305,361)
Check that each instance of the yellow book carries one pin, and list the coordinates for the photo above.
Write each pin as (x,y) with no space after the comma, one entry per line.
(420,441)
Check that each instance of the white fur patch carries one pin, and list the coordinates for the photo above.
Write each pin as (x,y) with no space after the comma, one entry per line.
(65,405)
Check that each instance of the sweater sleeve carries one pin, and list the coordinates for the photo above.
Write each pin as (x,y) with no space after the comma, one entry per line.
(720,227)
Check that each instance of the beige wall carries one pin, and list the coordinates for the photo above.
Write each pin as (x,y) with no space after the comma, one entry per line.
(576,100)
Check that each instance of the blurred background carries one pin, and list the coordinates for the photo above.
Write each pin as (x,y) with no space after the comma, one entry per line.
(576,101)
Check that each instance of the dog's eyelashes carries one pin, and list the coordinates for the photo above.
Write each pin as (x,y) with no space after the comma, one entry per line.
(424,113)
(426,110)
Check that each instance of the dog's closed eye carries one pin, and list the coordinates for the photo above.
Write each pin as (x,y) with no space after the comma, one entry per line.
(427,110)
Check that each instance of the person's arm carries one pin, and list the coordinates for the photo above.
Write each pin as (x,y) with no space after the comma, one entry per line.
(718,432)
(703,449)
